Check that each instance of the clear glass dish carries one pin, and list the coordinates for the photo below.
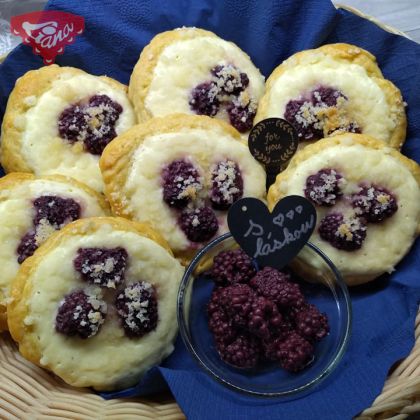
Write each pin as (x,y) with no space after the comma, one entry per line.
(328,292)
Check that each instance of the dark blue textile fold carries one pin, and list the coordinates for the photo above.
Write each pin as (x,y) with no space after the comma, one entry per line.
(269,31)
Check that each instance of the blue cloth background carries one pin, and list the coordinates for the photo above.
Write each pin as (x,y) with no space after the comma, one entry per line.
(269,31)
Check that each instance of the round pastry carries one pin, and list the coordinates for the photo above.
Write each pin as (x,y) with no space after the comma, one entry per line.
(367,197)
(334,89)
(180,173)
(96,304)
(193,71)
(58,121)
(31,209)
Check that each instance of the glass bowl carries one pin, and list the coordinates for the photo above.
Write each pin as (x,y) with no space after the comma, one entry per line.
(328,292)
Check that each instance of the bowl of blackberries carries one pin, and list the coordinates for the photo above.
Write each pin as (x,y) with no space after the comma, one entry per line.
(261,330)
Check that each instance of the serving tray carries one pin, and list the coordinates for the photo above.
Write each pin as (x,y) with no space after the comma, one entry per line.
(29,392)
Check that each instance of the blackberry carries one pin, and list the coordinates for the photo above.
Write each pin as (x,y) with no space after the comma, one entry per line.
(300,114)
(221,327)
(294,352)
(101,266)
(264,318)
(181,182)
(27,246)
(227,185)
(71,122)
(80,314)
(57,211)
(243,352)
(276,286)
(325,95)
(323,188)
(215,302)
(104,114)
(233,266)
(229,79)
(237,301)
(374,203)
(343,233)
(204,100)
(137,308)
(92,123)
(270,344)
(199,225)
(306,113)
(310,323)
(241,116)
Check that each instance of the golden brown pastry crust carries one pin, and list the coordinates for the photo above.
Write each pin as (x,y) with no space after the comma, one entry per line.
(32,84)
(116,158)
(22,288)
(142,75)
(353,55)
(15,179)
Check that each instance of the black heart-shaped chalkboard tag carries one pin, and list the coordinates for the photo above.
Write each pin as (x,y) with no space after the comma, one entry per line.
(272,239)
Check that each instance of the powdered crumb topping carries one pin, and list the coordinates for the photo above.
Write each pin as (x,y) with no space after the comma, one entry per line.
(324,187)
(346,233)
(320,113)
(43,231)
(137,307)
(91,123)
(81,313)
(227,184)
(347,228)
(102,266)
(51,213)
(181,183)
(226,88)
(374,203)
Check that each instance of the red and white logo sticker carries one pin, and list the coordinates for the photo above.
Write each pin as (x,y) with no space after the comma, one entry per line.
(47,32)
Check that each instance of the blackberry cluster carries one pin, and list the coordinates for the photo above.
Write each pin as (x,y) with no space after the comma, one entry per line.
(323,188)
(310,323)
(371,204)
(232,266)
(227,185)
(137,308)
(101,266)
(230,80)
(92,123)
(181,181)
(236,301)
(51,213)
(200,224)
(307,113)
(294,353)
(241,116)
(264,317)
(182,190)
(27,246)
(375,204)
(276,286)
(203,100)
(225,88)
(80,314)
(57,211)
(343,233)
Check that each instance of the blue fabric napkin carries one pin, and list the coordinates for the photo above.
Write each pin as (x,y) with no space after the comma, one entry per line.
(269,31)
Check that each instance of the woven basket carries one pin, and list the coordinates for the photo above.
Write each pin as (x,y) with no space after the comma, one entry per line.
(28,392)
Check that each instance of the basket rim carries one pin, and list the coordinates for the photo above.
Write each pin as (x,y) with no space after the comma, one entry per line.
(399,396)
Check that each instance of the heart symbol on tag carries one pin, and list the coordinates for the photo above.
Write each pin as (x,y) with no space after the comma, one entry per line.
(275,238)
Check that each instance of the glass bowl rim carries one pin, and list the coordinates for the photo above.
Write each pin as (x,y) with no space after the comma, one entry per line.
(338,355)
